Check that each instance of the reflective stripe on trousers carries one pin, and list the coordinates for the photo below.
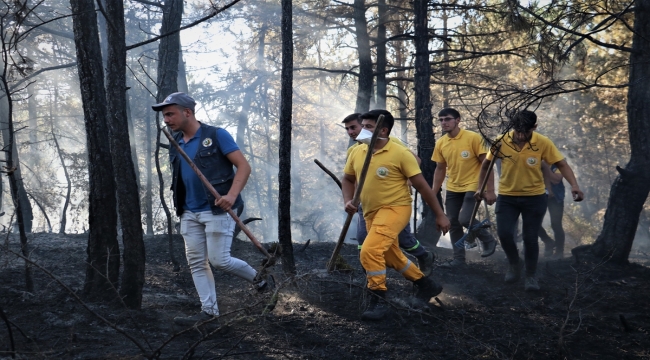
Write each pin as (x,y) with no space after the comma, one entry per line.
(381,250)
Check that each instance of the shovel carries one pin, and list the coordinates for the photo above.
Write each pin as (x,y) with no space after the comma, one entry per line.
(468,240)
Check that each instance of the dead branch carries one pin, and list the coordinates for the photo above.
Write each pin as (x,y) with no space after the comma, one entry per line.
(334,177)
(3,316)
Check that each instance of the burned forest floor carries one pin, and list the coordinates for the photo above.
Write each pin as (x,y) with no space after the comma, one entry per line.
(583,311)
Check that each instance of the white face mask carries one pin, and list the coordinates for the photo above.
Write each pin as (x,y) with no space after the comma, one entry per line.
(365,136)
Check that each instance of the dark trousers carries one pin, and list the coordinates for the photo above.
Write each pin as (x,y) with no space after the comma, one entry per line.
(459,207)
(556,211)
(532,210)
(407,241)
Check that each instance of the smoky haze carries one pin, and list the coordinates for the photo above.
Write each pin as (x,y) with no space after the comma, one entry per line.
(231,66)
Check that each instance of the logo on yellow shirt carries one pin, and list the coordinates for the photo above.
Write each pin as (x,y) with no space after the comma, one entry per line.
(382,172)
(531,161)
(464,154)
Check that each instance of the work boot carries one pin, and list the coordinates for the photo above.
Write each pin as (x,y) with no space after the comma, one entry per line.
(427,288)
(489,248)
(425,263)
(454,264)
(514,271)
(197,319)
(531,284)
(377,306)
(267,283)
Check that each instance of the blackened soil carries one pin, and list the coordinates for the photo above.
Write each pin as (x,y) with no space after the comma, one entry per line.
(583,311)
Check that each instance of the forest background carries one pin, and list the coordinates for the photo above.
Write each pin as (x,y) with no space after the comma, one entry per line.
(568,61)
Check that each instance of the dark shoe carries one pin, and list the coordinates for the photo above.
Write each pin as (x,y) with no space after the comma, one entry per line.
(454,264)
(425,263)
(489,248)
(377,306)
(531,284)
(514,271)
(197,319)
(265,285)
(427,288)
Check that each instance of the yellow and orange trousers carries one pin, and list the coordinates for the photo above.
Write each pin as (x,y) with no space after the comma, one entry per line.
(381,247)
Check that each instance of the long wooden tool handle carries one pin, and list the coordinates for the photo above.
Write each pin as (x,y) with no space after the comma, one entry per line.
(357,193)
(320,165)
(214,193)
(495,152)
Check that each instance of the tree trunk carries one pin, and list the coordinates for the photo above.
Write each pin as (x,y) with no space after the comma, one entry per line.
(381,55)
(365,60)
(126,180)
(132,144)
(631,187)
(169,49)
(33,125)
(445,54)
(148,199)
(103,263)
(284,153)
(167,79)
(65,173)
(182,74)
(427,232)
(12,168)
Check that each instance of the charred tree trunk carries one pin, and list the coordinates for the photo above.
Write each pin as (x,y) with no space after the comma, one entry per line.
(103,264)
(182,74)
(147,164)
(10,149)
(365,59)
(64,218)
(132,144)
(631,187)
(427,232)
(54,107)
(381,55)
(33,125)
(284,173)
(167,79)
(126,180)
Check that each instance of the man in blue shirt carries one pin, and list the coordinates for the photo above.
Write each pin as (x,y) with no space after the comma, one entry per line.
(206,226)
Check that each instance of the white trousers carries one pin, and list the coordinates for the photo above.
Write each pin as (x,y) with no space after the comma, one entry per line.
(208,237)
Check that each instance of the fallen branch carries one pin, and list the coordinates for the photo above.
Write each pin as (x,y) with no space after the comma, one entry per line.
(11,335)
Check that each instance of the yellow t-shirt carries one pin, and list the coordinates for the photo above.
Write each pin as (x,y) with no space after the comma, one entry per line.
(521,171)
(385,183)
(460,153)
(356,145)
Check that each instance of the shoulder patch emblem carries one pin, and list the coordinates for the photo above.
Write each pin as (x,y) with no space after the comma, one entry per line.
(531,161)
(464,154)
(382,172)
(207,142)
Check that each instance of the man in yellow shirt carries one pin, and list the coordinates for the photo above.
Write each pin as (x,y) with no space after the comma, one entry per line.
(459,155)
(522,191)
(386,205)
(407,241)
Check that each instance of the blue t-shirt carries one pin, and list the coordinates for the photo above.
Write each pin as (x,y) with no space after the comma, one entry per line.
(196,199)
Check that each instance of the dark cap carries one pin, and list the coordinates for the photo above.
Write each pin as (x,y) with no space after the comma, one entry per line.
(177,98)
